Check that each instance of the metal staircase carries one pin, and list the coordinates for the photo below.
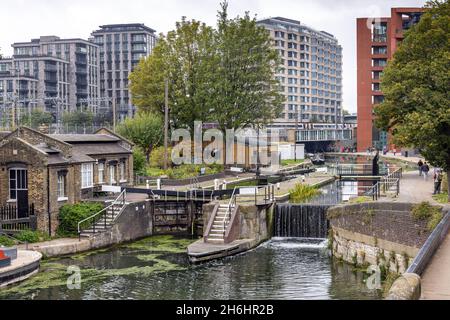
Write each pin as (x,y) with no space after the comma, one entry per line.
(103,220)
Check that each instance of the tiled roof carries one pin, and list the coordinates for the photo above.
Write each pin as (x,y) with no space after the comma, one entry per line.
(74,138)
(100,149)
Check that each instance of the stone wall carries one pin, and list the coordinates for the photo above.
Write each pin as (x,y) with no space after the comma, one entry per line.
(377,234)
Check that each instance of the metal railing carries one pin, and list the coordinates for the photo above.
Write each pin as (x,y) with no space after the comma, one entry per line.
(388,183)
(231,205)
(96,218)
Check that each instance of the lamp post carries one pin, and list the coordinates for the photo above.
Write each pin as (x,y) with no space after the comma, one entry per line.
(166,123)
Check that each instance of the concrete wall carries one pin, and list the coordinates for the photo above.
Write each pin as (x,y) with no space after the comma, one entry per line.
(377,234)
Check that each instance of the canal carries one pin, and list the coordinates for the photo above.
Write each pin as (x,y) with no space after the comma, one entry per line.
(157,268)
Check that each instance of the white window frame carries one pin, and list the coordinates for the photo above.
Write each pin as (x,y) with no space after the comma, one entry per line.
(112,174)
(87,175)
(122,172)
(61,191)
(101,173)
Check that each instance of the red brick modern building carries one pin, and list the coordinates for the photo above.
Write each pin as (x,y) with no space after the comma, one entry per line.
(377,41)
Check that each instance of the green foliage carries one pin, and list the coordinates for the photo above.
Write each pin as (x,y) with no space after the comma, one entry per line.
(291,162)
(184,171)
(71,215)
(225,75)
(302,193)
(6,241)
(426,212)
(139,161)
(360,199)
(441,198)
(78,118)
(444,184)
(36,118)
(157,157)
(32,236)
(415,85)
(145,130)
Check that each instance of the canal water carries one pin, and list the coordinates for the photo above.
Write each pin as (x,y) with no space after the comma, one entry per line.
(157,268)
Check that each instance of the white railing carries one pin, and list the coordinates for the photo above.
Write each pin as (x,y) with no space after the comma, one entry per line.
(121,200)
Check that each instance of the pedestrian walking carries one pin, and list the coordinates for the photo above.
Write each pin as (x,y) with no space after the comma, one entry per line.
(438,176)
(425,170)
(420,165)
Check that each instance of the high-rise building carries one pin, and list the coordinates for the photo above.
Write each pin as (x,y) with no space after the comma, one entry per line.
(56,74)
(377,41)
(311,80)
(121,48)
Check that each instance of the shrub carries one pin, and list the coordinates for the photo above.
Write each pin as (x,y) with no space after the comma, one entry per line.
(139,161)
(302,193)
(154,172)
(71,215)
(6,242)
(426,212)
(32,236)
(157,157)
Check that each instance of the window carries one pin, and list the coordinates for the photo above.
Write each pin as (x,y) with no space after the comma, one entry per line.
(379,32)
(379,62)
(62,186)
(122,172)
(101,173)
(87,180)
(17,182)
(379,50)
(112,174)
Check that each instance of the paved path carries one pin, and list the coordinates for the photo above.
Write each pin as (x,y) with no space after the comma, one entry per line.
(436,278)
(415,189)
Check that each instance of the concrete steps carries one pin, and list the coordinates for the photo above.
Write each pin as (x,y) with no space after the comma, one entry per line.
(219,226)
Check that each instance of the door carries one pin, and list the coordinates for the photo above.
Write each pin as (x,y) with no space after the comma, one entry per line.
(18,190)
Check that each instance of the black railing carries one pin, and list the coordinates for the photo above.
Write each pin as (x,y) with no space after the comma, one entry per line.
(13,222)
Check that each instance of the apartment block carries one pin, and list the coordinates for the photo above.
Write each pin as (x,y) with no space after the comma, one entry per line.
(121,48)
(377,41)
(56,74)
(310,75)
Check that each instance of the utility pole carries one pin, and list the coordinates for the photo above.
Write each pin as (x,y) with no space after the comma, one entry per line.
(114,113)
(295,133)
(166,123)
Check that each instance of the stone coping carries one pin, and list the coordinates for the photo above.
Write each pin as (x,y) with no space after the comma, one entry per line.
(26,264)
(202,251)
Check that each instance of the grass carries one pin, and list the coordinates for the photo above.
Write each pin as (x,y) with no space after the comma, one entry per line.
(426,212)
(441,198)
(361,199)
(285,163)
(183,171)
(302,193)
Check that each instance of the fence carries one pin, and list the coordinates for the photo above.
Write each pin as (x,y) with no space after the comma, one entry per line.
(11,223)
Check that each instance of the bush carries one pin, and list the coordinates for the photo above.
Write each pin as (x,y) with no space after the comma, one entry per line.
(426,212)
(6,242)
(32,236)
(71,215)
(139,161)
(157,157)
(444,185)
(302,193)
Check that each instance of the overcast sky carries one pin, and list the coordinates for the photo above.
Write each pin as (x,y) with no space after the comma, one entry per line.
(21,20)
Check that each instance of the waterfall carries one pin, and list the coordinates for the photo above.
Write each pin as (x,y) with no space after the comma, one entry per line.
(301,221)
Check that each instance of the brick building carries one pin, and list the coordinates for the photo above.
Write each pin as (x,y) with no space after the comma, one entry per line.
(377,41)
(50,171)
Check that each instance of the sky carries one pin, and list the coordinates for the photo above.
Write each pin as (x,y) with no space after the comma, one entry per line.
(22,20)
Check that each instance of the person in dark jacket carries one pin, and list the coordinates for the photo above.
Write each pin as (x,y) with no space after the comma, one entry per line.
(420,165)
(425,170)
(438,176)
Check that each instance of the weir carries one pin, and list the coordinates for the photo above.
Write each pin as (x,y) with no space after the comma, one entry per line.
(301,221)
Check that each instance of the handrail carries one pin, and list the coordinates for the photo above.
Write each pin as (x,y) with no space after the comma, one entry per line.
(210,222)
(122,195)
(17,240)
(230,205)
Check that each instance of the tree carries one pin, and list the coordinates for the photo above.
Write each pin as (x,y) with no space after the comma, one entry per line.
(245,91)
(416,109)
(36,118)
(78,118)
(145,130)
(182,58)
(224,75)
